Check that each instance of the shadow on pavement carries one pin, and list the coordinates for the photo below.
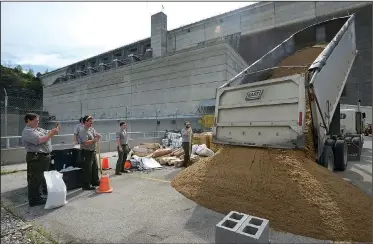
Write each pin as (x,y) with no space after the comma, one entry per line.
(203,221)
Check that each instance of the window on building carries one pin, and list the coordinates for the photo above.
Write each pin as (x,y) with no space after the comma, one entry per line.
(173,122)
(158,122)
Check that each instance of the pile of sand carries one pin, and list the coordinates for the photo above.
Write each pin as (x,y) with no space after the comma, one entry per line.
(285,186)
(296,194)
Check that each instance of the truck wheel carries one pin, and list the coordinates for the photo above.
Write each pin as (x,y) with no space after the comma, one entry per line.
(357,142)
(327,158)
(340,155)
(330,143)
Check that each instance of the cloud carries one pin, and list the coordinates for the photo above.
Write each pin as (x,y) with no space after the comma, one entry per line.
(55,34)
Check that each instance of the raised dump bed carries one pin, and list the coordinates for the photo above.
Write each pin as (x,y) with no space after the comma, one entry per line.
(267,103)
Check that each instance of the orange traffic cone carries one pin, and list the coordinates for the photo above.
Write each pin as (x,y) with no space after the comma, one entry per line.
(105,185)
(105,163)
(127,164)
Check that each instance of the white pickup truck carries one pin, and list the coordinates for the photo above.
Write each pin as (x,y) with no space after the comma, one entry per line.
(254,110)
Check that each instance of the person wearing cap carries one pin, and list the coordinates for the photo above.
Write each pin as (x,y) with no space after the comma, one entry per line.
(123,149)
(77,129)
(88,137)
(37,142)
(186,134)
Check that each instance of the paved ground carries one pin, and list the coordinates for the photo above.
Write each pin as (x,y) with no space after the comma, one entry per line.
(142,208)
(360,172)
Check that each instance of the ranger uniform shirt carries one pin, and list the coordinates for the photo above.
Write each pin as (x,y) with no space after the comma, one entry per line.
(122,135)
(30,139)
(187,137)
(86,134)
(77,129)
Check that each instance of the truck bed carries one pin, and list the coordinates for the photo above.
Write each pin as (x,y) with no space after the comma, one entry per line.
(265,104)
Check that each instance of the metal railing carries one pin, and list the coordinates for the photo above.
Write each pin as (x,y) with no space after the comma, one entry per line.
(9,142)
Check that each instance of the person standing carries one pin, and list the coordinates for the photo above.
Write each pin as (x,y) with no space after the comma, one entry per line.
(88,137)
(37,143)
(187,134)
(77,129)
(123,149)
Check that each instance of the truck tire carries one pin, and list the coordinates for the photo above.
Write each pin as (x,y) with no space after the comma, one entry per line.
(357,141)
(327,158)
(330,143)
(340,155)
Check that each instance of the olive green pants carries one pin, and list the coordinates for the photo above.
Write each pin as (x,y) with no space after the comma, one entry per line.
(36,165)
(122,157)
(187,151)
(90,169)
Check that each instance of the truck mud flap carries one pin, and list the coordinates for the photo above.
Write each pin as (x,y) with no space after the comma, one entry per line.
(354,151)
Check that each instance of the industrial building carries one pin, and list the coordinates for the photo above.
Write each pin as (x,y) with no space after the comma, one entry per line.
(159,82)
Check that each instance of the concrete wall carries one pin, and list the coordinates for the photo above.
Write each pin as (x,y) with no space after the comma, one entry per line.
(252,19)
(18,155)
(172,85)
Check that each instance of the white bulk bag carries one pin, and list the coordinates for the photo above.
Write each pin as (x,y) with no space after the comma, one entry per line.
(56,189)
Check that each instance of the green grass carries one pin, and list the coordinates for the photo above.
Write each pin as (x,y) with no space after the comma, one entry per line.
(6,172)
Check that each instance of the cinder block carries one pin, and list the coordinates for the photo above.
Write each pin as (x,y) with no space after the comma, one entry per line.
(253,230)
(225,230)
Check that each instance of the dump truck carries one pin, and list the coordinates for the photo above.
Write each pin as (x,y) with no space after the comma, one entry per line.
(256,110)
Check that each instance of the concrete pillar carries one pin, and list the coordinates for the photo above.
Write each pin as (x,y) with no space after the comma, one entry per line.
(159,34)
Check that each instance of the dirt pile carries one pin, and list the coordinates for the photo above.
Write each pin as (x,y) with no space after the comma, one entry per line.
(293,192)
(303,57)
(285,186)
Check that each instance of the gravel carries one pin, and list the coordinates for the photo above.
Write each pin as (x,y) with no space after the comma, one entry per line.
(14,230)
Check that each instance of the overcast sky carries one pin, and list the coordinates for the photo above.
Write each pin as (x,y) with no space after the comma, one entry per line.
(54,34)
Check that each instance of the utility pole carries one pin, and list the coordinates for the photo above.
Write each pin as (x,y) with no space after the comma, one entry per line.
(6,119)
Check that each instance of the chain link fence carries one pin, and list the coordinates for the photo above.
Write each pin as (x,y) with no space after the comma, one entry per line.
(13,109)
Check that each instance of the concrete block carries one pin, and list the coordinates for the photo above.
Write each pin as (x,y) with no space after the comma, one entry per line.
(225,230)
(253,230)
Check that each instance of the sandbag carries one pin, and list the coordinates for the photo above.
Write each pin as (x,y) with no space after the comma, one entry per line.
(56,189)
(200,148)
(141,152)
(153,146)
(161,152)
(206,152)
(194,148)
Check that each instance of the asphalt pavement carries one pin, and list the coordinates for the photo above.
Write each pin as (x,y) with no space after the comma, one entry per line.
(359,173)
(143,208)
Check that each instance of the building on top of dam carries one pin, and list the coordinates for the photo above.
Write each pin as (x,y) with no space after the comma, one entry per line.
(158,82)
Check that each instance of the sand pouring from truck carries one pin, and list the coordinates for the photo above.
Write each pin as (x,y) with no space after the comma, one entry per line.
(268,105)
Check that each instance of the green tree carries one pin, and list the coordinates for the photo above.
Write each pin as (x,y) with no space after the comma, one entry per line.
(30,72)
(19,68)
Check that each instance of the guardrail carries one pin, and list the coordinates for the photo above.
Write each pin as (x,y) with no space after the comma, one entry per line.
(8,142)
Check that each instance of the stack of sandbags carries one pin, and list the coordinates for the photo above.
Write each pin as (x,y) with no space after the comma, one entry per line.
(178,152)
(146,149)
(168,160)
(152,146)
(161,152)
(141,152)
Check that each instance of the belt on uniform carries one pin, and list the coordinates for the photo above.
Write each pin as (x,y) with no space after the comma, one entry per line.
(39,153)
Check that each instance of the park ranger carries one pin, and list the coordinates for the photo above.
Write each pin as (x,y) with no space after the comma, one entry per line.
(88,137)
(77,129)
(187,134)
(122,146)
(37,143)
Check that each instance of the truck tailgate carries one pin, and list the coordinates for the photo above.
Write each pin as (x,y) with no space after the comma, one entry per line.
(268,113)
